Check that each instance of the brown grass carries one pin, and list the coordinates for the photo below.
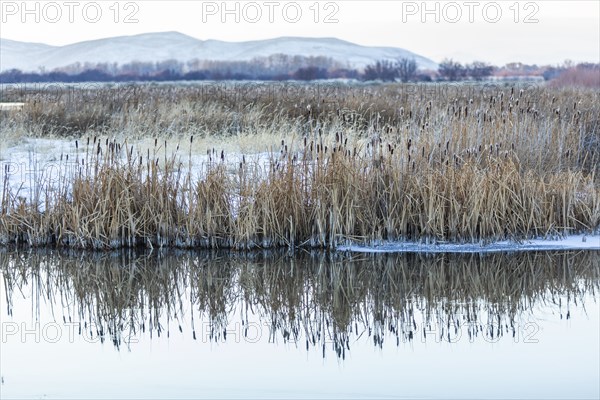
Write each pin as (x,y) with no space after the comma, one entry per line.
(488,164)
(587,77)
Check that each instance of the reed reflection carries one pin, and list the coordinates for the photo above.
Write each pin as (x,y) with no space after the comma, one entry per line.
(323,301)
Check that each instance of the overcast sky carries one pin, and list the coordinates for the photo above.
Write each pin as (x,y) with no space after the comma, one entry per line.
(542,32)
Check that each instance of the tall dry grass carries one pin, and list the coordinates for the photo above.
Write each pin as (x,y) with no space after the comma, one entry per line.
(360,165)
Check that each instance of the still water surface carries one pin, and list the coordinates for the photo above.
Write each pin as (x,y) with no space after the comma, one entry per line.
(183,324)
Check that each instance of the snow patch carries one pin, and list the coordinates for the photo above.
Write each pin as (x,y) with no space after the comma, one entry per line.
(571,242)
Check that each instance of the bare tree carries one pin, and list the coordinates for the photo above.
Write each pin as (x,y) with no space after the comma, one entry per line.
(479,70)
(407,69)
(383,69)
(451,70)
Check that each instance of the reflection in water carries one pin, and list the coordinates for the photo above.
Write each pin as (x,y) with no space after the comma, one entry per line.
(318,300)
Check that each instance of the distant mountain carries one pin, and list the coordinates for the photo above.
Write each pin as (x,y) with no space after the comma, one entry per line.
(155,47)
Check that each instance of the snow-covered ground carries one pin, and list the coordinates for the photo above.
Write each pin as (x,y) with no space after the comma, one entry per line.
(28,164)
(11,106)
(571,242)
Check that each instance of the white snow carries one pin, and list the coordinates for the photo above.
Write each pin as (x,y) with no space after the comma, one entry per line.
(156,47)
(11,106)
(571,242)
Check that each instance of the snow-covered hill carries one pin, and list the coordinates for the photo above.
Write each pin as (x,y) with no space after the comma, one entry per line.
(163,46)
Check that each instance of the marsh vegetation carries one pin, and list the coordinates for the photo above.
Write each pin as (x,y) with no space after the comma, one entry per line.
(153,166)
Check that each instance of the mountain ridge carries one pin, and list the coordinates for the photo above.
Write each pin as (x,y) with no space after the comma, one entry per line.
(172,45)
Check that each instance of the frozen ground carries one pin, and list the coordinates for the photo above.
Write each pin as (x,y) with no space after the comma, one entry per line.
(28,161)
(571,242)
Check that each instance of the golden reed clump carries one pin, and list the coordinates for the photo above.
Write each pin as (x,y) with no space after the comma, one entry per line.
(486,164)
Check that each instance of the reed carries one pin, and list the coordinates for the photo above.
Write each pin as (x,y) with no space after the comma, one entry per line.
(490,164)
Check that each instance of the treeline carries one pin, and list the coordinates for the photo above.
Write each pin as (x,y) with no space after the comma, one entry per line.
(275,67)
(96,75)
(283,67)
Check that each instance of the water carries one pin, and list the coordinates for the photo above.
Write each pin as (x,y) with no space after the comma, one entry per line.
(274,325)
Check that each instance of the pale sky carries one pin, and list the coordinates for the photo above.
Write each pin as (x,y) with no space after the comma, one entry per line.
(542,32)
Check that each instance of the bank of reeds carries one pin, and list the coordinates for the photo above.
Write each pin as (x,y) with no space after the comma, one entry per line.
(322,301)
(379,163)
(323,195)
